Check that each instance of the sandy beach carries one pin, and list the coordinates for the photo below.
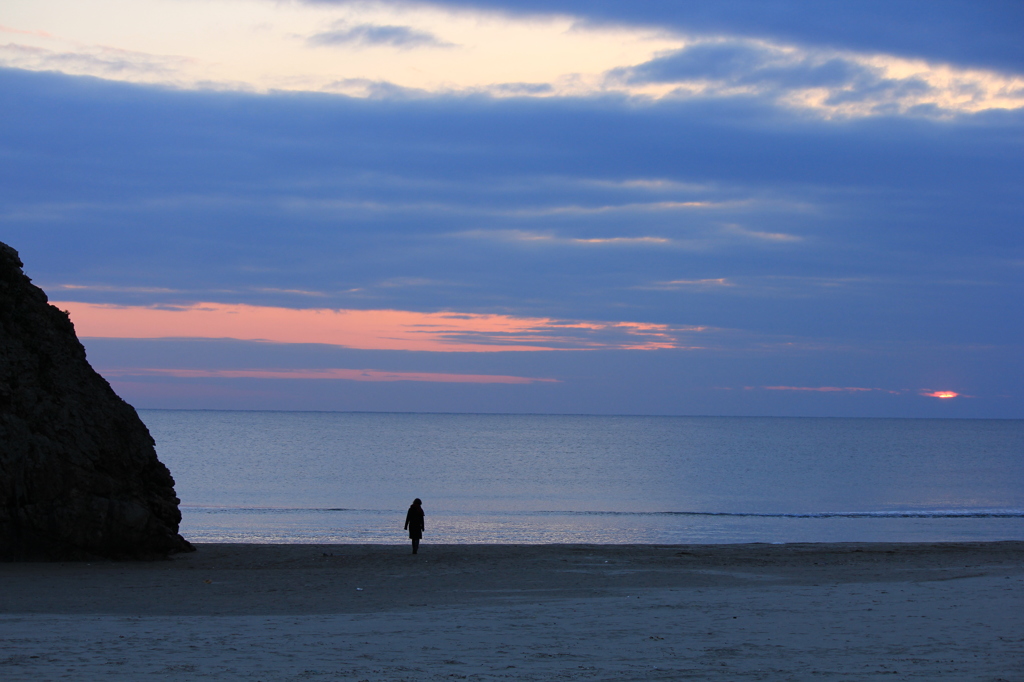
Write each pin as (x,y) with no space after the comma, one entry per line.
(535,612)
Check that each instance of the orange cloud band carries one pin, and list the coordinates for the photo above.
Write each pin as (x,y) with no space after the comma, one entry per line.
(366,329)
(350,374)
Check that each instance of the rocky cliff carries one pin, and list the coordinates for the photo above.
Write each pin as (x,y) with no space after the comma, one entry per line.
(79,475)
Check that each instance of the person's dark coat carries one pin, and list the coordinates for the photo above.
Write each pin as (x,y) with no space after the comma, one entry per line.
(414,522)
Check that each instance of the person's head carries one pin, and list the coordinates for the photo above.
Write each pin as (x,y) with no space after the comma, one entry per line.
(417,502)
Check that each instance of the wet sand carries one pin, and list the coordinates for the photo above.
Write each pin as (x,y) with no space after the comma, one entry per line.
(537,612)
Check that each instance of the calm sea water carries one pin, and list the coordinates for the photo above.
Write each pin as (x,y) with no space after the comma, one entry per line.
(349,477)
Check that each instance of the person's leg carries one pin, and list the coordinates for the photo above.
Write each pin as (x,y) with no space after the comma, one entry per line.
(415,545)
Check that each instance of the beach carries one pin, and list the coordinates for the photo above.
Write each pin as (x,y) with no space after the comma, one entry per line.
(849,611)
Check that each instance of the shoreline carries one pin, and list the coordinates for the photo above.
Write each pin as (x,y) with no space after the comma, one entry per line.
(315,526)
(849,611)
(238,578)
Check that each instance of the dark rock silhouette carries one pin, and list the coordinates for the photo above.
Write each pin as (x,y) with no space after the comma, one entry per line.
(79,475)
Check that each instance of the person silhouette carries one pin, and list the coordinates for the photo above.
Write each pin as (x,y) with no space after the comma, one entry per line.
(414,523)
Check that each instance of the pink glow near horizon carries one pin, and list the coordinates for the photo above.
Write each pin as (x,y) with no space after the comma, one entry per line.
(364,329)
(334,373)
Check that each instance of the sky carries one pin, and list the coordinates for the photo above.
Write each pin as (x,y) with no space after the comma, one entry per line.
(782,208)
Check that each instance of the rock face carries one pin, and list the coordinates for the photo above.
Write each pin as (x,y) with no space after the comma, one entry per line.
(79,475)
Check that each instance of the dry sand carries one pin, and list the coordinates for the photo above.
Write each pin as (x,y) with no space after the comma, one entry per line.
(540,612)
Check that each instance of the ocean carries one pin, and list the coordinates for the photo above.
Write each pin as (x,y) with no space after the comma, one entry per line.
(336,477)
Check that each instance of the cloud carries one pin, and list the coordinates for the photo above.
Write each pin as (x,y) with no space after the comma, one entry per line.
(370,35)
(511,55)
(691,284)
(372,89)
(942,395)
(234,198)
(521,89)
(297,292)
(265,47)
(626,207)
(747,63)
(828,82)
(621,240)
(826,389)
(11,29)
(592,382)
(106,288)
(762,236)
(779,193)
(370,329)
(651,185)
(539,238)
(106,62)
(334,373)
(978,35)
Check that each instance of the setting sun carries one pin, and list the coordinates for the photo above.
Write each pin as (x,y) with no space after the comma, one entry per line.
(941,394)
